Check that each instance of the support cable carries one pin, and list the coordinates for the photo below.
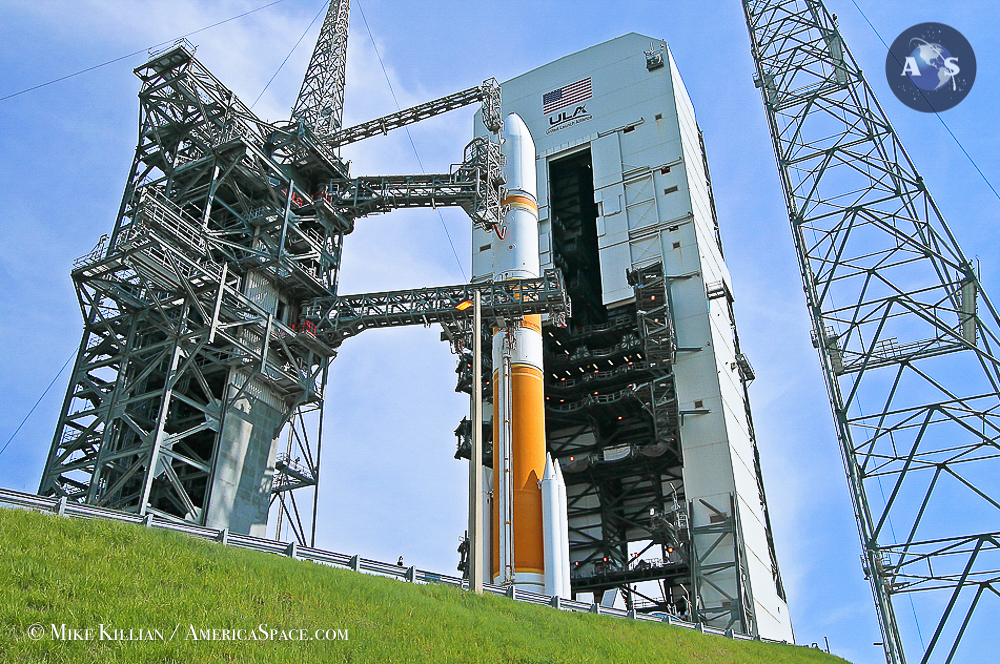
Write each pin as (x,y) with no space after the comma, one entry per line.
(51,383)
(283,62)
(408,135)
(958,142)
(134,53)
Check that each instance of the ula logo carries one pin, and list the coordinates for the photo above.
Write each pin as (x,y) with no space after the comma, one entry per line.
(930,67)
(565,119)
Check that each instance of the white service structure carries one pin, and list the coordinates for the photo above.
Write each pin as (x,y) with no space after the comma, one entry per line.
(621,110)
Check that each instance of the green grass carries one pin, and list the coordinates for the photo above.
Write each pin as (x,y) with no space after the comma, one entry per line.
(82,574)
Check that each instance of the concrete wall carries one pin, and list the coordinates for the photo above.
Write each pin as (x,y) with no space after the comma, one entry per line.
(244,463)
(247,447)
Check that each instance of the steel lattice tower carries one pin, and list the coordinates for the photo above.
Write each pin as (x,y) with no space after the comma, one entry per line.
(907,338)
(211,314)
(320,104)
(193,358)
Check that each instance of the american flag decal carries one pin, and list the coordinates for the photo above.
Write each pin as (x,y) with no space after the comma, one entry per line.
(573,93)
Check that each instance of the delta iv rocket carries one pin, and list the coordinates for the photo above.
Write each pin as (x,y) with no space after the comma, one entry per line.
(518,540)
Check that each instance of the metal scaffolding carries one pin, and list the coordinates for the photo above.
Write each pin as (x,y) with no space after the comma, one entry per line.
(190,315)
(907,337)
(320,104)
(335,319)
(476,185)
(488,94)
(211,313)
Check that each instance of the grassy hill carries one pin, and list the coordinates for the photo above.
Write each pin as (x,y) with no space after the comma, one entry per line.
(171,590)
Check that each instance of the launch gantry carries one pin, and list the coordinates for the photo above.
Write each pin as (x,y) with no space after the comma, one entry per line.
(906,335)
(211,315)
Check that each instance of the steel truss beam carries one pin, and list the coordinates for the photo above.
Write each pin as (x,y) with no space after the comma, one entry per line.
(488,93)
(907,337)
(717,555)
(338,318)
(476,185)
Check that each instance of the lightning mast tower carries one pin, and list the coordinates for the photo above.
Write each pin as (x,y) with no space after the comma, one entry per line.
(906,336)
(320,104)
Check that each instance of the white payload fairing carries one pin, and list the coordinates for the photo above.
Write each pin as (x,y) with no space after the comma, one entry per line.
(522,541)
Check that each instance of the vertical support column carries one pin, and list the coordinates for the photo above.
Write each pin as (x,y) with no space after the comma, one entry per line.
(319,451)
(476,458)
(161,422)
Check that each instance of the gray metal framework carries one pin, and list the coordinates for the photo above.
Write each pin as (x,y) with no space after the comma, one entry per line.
(196,351)
(488,93)
(338,318)
(699,547)
(190,314)
(907,337)
(723,532)
(320,104)
(476,185)
(659,344)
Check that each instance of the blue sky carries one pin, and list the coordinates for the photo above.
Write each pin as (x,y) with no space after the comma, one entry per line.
(390,485)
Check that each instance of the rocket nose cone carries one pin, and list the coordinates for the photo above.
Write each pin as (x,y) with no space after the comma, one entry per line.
(549,473)
(557,470)
(519,149)
(513,125)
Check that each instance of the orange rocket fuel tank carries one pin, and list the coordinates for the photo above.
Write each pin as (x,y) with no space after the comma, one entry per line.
(527,463)
(518,394)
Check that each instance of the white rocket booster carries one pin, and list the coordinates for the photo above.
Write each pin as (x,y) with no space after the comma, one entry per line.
(563,513)
(550,530)
(557,581)
(518,391)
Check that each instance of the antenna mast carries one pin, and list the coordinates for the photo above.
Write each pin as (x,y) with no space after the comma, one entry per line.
(320,104)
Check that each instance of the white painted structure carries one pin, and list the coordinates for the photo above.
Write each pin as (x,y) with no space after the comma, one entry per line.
(654,205)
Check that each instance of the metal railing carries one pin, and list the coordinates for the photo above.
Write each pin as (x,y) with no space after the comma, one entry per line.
(63,507)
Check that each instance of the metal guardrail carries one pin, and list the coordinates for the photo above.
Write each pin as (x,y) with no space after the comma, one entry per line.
(63,507)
